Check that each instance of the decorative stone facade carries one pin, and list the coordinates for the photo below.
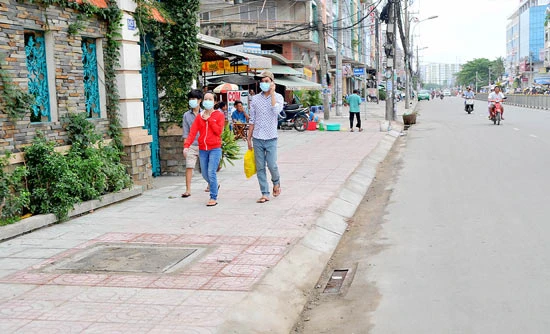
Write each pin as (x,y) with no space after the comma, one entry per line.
(137,149)
(65,72)
(64,62)
(171,151)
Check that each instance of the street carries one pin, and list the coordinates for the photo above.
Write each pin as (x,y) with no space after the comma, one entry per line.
(462,245)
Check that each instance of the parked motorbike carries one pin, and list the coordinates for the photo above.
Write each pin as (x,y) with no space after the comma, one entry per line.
(469,106)
(496,112)
(441,96)
(293,116)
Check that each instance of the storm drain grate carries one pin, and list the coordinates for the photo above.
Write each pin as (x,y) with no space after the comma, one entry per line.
(127,258)
(336,280)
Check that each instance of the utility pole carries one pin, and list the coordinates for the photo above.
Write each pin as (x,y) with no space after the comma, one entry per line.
(322,59)
(407,52)
(339,45)
(389,48)
(377,55)
(366,36)
(417,71)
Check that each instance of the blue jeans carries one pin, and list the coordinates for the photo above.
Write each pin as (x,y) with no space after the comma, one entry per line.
(265,152)
(210,160)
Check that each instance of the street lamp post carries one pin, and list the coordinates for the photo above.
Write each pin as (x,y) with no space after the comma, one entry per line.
(407,55)
(418,67)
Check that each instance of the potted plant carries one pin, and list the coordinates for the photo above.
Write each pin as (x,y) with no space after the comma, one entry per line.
(230,148)
(409,118)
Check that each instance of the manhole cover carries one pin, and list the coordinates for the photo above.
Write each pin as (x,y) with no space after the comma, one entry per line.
(127,258)
(336,280)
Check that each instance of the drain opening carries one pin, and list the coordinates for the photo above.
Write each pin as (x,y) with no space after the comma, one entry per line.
(336,280)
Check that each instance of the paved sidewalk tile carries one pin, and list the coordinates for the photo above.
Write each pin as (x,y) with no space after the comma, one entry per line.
(237,244)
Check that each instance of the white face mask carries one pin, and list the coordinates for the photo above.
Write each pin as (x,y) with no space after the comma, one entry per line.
(207,104)
(193,103)
(264,86)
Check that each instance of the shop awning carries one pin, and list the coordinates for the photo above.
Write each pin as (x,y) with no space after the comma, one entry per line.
(282,69)
(543,80)
(253,61)
(295,83)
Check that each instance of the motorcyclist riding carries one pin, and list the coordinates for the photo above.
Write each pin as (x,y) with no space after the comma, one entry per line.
(496,96)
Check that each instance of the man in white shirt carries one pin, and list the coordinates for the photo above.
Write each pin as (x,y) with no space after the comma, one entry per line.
(496,96)
(262,134)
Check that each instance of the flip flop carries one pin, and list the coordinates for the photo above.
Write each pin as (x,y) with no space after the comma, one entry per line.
(276,190)
(185,195)
(211,204)
(263,200)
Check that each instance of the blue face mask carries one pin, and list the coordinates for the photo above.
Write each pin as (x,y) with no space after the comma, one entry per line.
(264,86)
(208,104)
(193,103)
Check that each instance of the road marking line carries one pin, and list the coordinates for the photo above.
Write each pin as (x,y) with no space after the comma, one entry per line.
(533,136)
(516,129)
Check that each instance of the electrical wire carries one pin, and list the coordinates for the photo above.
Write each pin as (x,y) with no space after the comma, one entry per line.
(361,20)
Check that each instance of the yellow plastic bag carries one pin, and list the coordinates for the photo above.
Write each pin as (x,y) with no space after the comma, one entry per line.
(249,164)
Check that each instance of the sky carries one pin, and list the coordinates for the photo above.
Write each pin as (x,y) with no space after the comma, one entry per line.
(464,30)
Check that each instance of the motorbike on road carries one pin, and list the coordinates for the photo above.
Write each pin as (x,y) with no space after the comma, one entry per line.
(496,112)
(469,105)
(441,96)
(293,116)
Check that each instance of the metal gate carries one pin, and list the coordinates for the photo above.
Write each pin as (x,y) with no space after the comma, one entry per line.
(151,102)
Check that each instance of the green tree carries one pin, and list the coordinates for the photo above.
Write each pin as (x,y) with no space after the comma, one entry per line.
(176,53)
(481,66)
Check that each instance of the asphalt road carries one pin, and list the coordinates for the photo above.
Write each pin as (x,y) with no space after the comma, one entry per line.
(466,235)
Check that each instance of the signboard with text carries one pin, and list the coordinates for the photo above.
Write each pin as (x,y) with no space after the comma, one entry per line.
(234,95)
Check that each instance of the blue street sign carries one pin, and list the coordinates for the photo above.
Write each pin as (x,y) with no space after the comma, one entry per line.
(359,71)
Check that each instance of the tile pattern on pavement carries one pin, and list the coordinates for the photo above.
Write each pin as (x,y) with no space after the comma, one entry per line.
(247,240)
(236,263)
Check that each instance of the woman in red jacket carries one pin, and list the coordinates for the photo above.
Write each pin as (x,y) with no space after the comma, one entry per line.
(210,126)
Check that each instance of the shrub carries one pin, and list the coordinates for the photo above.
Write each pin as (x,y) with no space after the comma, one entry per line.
(382,94)
(89,170)
(14,197)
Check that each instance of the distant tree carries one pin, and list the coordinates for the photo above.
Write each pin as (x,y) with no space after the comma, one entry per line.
(430,86)
(481,66)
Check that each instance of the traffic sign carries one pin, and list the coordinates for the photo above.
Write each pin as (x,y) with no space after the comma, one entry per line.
(359,71)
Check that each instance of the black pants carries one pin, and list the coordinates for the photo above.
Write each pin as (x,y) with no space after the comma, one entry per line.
(358,116)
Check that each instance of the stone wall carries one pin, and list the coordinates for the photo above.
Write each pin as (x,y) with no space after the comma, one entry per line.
(65,54)
(171,151)
(137,158)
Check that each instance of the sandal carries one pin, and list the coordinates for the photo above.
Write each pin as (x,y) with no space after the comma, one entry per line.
(186,194)
(276,190)
(263,200)
(211,203)
(360,129)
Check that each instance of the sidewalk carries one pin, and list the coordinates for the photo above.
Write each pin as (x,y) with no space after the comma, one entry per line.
(239,267)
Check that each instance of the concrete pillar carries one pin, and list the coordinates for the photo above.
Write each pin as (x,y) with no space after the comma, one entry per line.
(135,139)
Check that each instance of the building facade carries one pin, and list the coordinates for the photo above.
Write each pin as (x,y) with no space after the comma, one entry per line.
(526,50)
(288,31)
(440,74)
(62,65)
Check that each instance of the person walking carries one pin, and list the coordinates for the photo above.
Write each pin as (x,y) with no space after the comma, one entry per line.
(210,126)
(262,134)
(354,100)
(195,98)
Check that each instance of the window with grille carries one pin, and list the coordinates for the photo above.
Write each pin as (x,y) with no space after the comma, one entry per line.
(35,53)
(91,85)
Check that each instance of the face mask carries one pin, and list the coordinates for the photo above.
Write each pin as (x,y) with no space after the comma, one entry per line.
(208,104)
(264,86)
(193,103)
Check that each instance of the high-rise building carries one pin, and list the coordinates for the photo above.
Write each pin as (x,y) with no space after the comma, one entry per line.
(440,74)
(525,43)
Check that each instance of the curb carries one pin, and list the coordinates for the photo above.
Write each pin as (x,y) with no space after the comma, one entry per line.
(277,302)
(35,222)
